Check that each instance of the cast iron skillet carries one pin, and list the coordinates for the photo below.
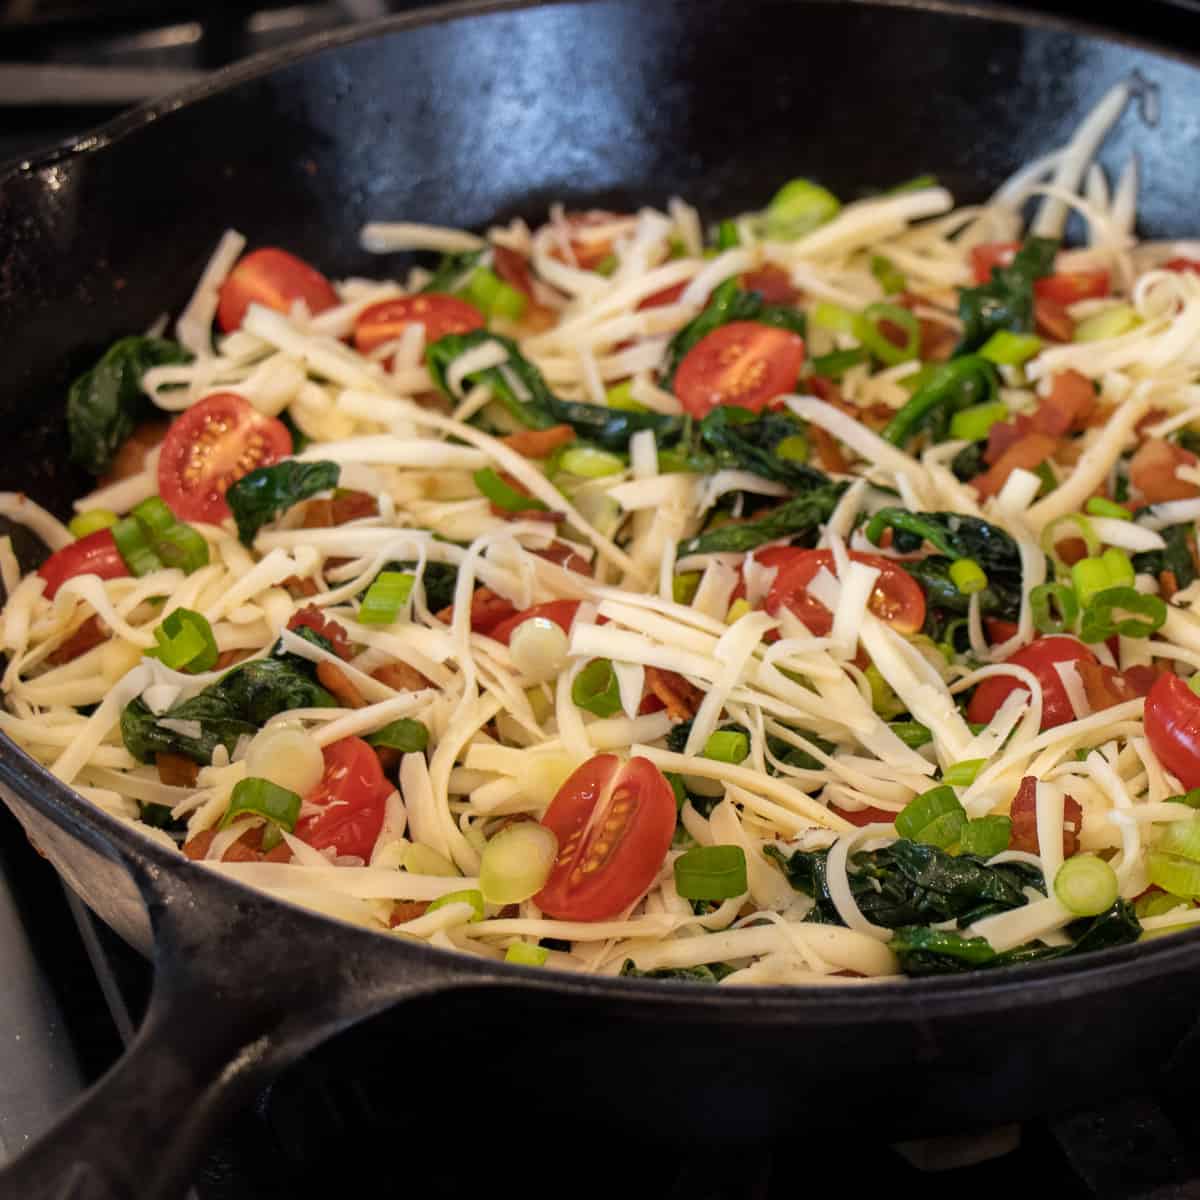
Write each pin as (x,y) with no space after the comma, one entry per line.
(461,119)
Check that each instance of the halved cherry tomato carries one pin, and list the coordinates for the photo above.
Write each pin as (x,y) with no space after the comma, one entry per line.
(351,798)
(1069,287)
(1172,718)
(561,612)
(275,279)
(743,363)
(1182,265)
(989,255)
(668,295)
(211,445)
(1039,657)
(513,268)
(96,554)
(897,598)
(440,314)
(614,822)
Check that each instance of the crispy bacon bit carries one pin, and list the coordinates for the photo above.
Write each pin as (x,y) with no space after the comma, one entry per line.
(333,679)
(529,514)
(937,340)
(300,589)
(538,443)
(1151,418)
(1152,471)
(311,617)
(87,637)
(668,295)
(406,910)
(1071,401)
(829,452)
(248,848)
(1024,820)
(1029,454)
(229,658)
(1168,585)
(339,509)
(401,676)
(565,555)
(487,610)
(130,458)
(680,698)
(588,253)
(773,284)
(1051,320)
(176,770)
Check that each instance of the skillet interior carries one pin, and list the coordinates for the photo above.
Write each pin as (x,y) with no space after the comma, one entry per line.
(464,122)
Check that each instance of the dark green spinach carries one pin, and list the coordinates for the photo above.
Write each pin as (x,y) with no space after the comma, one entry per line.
(1176,557)
(712,973)
(439,578)
(267,492)
(453,271)
(1006,300)
(801,516)
(958,384)
(739,440)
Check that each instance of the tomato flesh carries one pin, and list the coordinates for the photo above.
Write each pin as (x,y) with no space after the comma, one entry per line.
(96,554)
(614,822)
(1072,286)
(990,255)
(744,363)
(440,314)
(1038,657)
(275,279)
(351,796)
(561,612)
(897,597)
(1172,718)
(212,445)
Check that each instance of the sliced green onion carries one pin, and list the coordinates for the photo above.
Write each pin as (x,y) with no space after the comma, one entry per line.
(620,395)
(1098,506)
(92,521)
(607,265)
(179,545)
(727,746)
(883,697)
(1090,577)
(386,596)
(1191,799)
(935,817)
(595,689)
(487,291)
(974,424)
(154,514)
(798,208)
(793,448)
(1147,615)
(589,462)
(867,328)
(1158,904)
(968,576)
(711,873)
(986,836)
(1194,683)
(1055,531)
(1086,885)
(263,798)
(676,247)
(421,860)
(1008,349)
(683,587)
(471,896)
(1044,598)
(134,547)
(1110,323)
(1046,474)
(504,495)
(837,362)
(1120,569)
(912,733)
(1181,838)
(918,379)
(678,787)
(516,863)
(889,277)
(525,954)
(185,642)
(832,317)
(1179,876)
(727,235)
(962,774)
(405,735)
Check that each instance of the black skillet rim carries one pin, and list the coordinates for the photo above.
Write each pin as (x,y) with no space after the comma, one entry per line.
(967,994)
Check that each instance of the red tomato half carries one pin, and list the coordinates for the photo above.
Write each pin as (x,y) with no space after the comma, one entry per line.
(743,363)
(351,798)
(614,822)
(211,445)
(561,612)
(1072,286)
(275,279)
(1182,265)
(989,255)
(1039,657)
(897,598)
(96,554)
(668,295)
(387,320)
(1173,728)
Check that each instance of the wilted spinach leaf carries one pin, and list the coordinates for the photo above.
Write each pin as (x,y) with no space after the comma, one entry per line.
(266,492)
(1176,557)
(712,973)
(739,440)
(440,580)
(797,517)
(958,384)
(1006,300)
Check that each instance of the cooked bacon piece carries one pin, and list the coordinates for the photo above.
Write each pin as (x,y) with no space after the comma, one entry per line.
(1071,401)
(679,698)
(300,589)
(401,676)
(333,679)
(864,816)
(1152,471)
(229,658)
(406,910)
(937,340)
(339,509)
(565,555)
(248,848)
(875,416)
(668,295)
(588,253)
(523,514)
(1029,454)
(1051,320)
(538,443)
(87,637)
(1168,585)
(1024,820)
(829,452)
(772,283)
(130,458)
(176,770)
(487,610)
(311,617)
(1142,428)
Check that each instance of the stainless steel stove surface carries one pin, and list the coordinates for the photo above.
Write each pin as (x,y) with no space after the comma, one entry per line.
(71,993)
